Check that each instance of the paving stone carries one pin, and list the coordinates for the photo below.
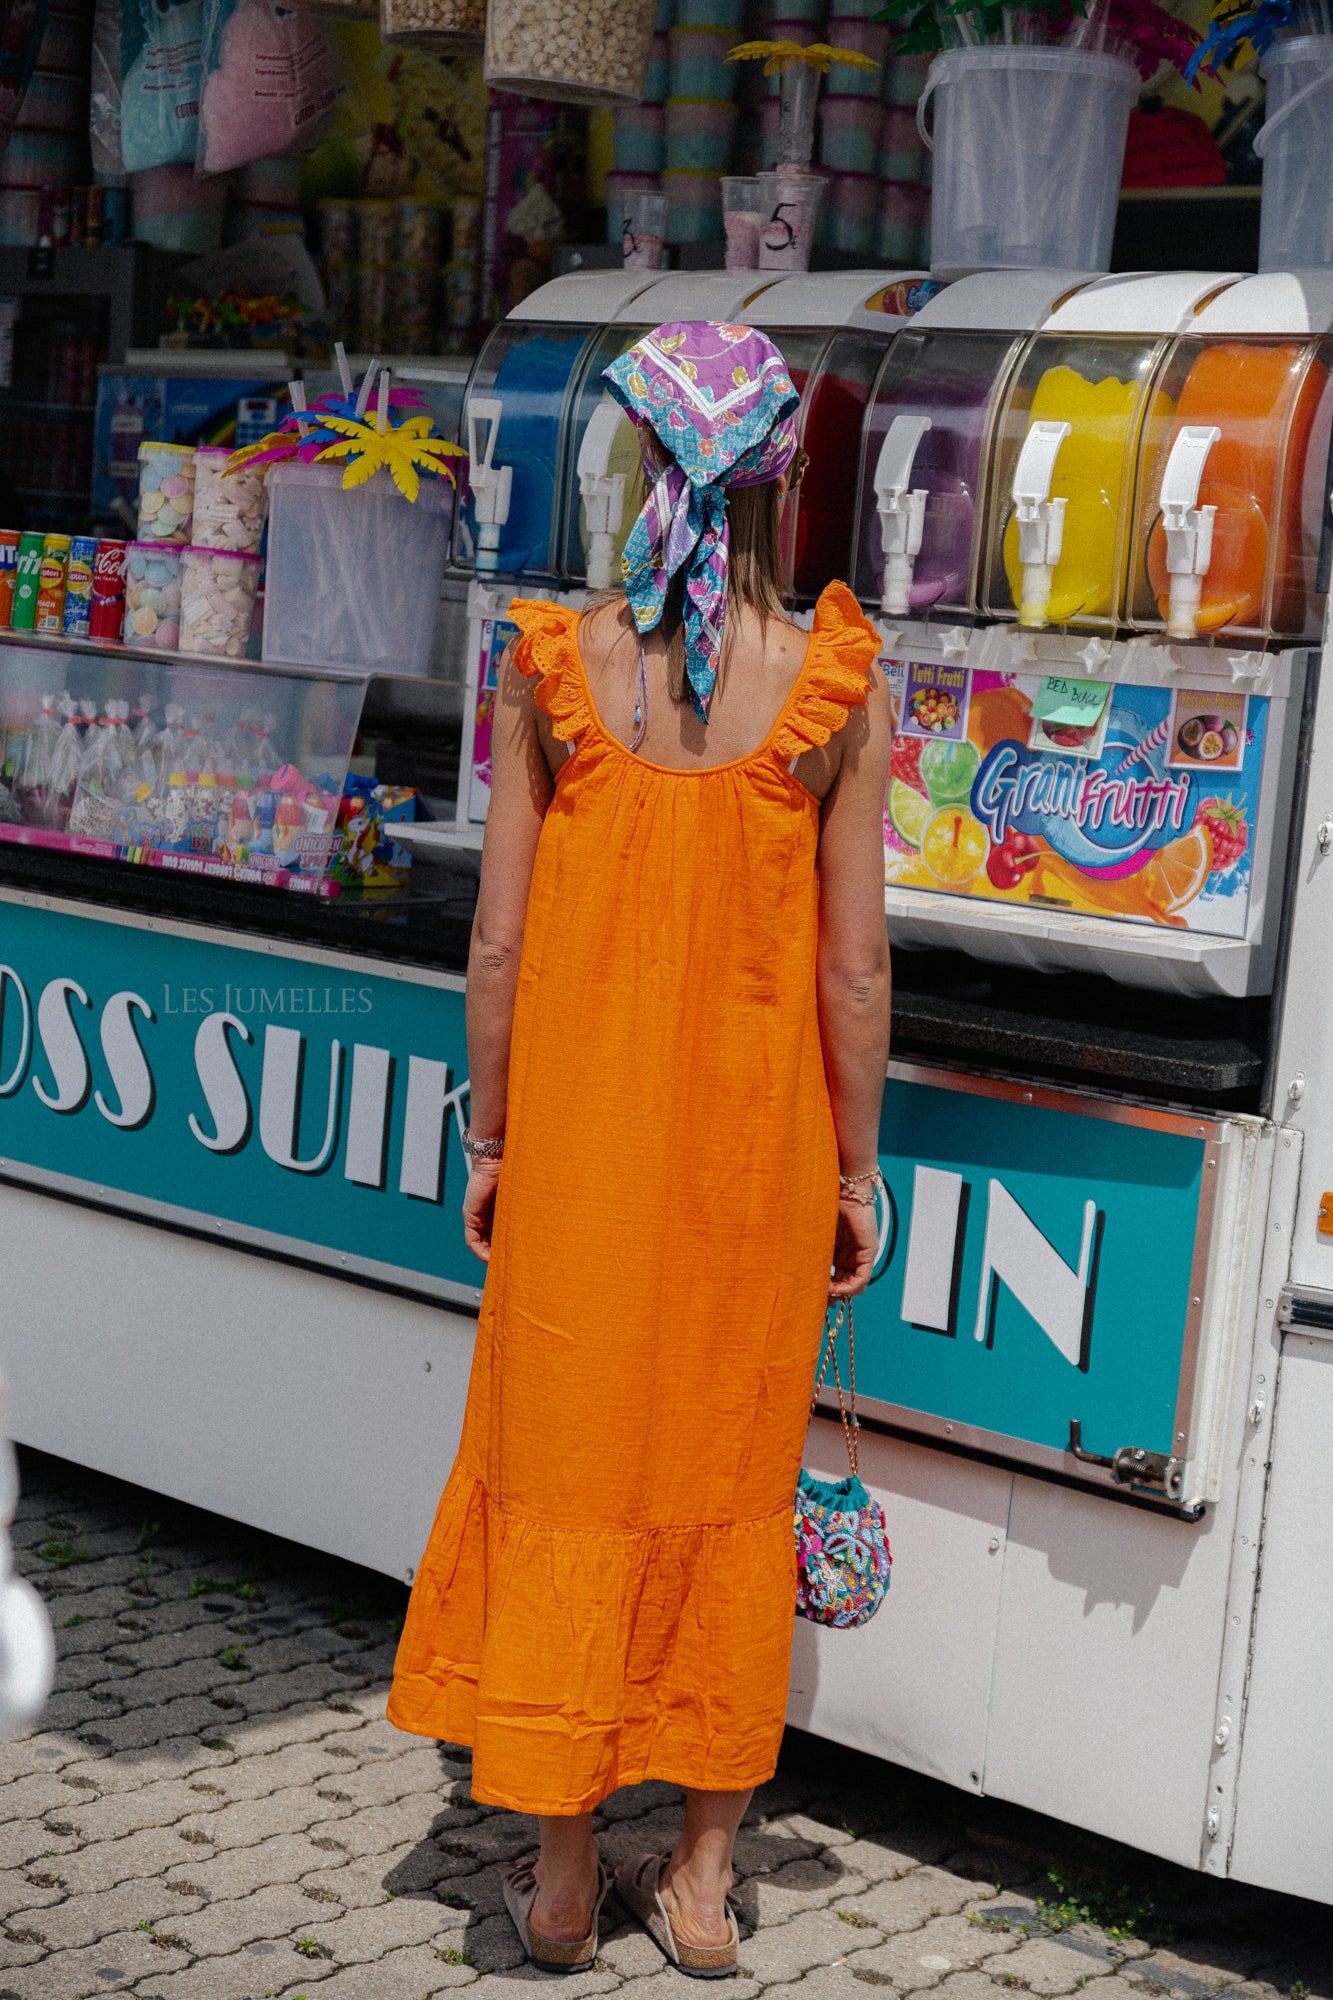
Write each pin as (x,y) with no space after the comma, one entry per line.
(270,1912)
(1058,1964)
(810,1884)
(826,1982)
(492,1945)
(413,1974)
(1194,1973)
(524,1984)
(664,1985)
(916,1959)
(787,1951)
(70,1975)
(239,1976)
(913,1899)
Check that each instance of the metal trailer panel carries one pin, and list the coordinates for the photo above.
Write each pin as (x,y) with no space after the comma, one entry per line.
(914,1684)
(275,1395)
(1284,1830)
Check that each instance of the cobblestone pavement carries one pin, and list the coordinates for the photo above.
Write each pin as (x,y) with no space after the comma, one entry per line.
(215,1808)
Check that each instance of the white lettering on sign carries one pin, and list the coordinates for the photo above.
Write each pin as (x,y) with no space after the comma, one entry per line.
(935,1250)
(224,1092)
(234,1105)
(127,1063)
(1017,1255)
(62,1048)
(280,1092)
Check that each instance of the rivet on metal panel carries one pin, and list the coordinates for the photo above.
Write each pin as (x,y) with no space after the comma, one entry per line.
(409,1572)
(1180,1437)
(1214,1822)
(948,1429)
(1268,1307)
(993,1544)
(426,1366)
(1325,1224)
(1324,835)
(976,1777)
(1196,1300)
(1296,1088)
(1027,1097)
(1212,1163)
(1200,1131)
(1223,1734)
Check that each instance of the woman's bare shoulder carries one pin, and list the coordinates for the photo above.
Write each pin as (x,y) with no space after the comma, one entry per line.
(603,623)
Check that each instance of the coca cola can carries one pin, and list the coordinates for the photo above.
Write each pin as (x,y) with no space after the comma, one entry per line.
(107,611)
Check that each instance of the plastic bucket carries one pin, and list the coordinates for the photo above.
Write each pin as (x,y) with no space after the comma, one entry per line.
(353,577)
(1296,214)
(1029,146)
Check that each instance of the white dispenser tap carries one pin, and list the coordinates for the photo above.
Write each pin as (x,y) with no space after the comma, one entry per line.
(902,512)
(1188,526)
(603,493)
(1041,520)
(491,485)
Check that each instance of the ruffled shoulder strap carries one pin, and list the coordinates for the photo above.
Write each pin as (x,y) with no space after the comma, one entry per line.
(547,652)
(835,677)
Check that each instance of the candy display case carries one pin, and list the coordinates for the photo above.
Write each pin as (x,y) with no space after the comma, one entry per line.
(164,763)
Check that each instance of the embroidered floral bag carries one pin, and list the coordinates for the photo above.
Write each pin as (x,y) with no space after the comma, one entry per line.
(843,1561)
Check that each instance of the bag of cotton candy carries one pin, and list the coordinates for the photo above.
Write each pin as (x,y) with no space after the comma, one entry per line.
(272,78)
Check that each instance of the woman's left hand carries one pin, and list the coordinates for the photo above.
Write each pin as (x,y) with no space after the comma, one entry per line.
(854,1249)
(479,1207)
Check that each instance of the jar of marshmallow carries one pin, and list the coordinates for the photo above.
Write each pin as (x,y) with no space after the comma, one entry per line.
(218,589)
(229,510)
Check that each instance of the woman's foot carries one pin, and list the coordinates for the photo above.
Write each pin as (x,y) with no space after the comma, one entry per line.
(695,1899)
(566,1892)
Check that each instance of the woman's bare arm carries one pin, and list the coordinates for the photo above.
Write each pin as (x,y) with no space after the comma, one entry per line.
(521,790)
(853,968)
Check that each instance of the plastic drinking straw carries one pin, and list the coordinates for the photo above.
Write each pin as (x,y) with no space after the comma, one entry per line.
(363,393)
(382,410)
(297,393)
(344,372)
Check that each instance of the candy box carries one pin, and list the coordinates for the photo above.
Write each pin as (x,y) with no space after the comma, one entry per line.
(369,857)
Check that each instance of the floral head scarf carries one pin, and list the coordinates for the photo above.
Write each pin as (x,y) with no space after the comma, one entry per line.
(720,401)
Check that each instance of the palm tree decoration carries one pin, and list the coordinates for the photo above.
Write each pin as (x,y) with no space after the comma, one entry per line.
(338,427)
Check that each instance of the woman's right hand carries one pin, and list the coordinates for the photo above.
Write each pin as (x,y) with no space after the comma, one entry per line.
(479,1207)
(854,1248)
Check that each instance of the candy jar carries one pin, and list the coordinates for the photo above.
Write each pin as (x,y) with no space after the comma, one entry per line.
(217,601)
(152,595)
(166,492)
(229,507)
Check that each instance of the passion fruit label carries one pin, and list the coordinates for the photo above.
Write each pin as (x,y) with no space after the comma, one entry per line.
(1148,817)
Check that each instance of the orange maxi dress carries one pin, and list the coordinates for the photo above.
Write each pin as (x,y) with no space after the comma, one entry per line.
(609,1587)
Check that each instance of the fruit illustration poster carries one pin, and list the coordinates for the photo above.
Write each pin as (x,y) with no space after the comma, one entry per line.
(1146,813)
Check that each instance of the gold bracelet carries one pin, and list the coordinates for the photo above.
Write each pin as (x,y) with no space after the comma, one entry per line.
(848,1184)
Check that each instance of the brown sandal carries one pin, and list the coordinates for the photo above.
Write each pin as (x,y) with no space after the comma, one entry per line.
(546,1953)
(638,1885)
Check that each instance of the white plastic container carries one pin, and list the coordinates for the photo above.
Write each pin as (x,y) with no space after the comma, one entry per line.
(1029,146)
(353,577)
(1296,216)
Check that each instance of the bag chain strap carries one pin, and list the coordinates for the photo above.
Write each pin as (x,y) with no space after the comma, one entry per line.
(846,1410)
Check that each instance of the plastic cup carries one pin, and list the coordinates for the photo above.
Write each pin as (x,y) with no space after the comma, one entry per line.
(796,121)
(644,231)
(741,217)
(789,203)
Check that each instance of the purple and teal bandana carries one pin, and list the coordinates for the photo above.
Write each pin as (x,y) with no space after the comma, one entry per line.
(720,400)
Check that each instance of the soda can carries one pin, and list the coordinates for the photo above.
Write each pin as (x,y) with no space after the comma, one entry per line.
(107,611)
(9,556)
(27,581)
(51,582)
(79,587)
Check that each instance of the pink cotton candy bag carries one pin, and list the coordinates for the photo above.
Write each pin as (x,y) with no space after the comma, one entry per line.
(272,78)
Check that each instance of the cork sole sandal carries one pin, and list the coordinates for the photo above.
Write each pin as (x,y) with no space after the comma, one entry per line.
(638,1885)
(550,1954)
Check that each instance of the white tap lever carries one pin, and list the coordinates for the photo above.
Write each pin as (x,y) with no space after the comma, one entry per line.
(901,512)
(491,485)
(603,492)
(1041,520)
(1189,527)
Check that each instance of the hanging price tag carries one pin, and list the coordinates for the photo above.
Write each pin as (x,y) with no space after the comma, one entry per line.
(1070,703)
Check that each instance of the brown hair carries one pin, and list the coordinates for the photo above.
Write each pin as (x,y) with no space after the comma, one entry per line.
(754,572)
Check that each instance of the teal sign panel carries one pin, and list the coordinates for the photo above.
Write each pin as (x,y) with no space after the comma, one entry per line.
(309,1105)
(1038,1268)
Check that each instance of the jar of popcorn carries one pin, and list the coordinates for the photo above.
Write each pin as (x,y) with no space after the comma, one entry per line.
(579,51)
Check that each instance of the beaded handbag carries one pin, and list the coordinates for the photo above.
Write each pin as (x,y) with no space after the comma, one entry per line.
(843,1561)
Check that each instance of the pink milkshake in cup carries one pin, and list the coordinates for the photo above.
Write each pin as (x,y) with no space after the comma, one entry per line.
(741,218)
(644,229)
(789,203)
